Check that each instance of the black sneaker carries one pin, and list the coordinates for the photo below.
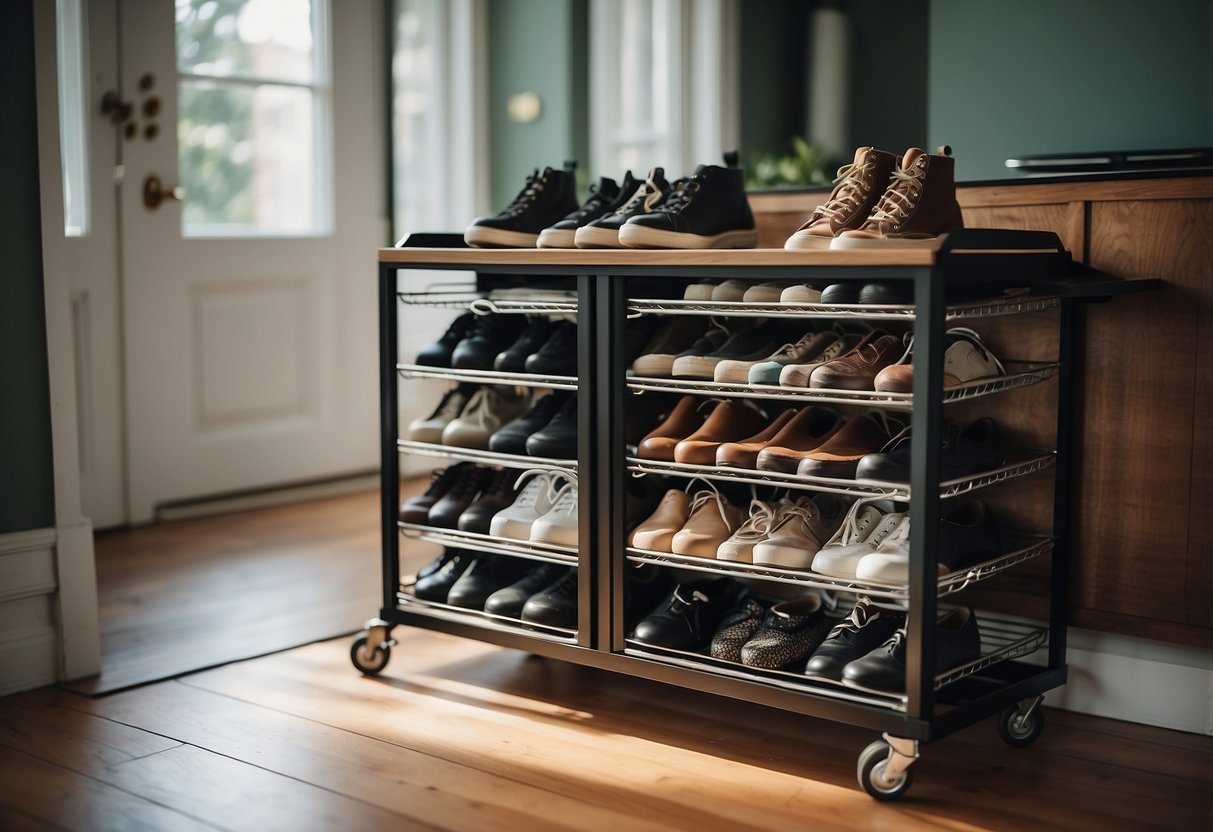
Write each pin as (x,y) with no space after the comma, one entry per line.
(866,628)
(604,196)
(604,231)
(555,606)
(438,354)
(484,577)
(558,438)
(708,210)
(512,438)
(510,601)
(489,336)
(546,198)
(437,584)
(558,355)
(513,358)
(690,615)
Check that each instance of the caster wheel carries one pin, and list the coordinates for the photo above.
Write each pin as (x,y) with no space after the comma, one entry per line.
(871,769)
(1018,730)
(369,660)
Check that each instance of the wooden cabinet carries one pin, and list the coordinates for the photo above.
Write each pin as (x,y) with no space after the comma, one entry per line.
(1142,487)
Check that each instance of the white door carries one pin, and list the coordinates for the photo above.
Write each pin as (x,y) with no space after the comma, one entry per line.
(249,302)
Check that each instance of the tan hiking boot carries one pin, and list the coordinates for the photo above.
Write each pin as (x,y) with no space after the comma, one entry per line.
(918,206)
(857,189)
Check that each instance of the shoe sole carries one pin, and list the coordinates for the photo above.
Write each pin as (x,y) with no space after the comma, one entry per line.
(639,236)
(833,468)
(801,241)
(557,238)
(655,364)
(853,243)
(590,237)
(732,372)
(554,536)
(695,366)
(789,557)
(481,237)
(768,461)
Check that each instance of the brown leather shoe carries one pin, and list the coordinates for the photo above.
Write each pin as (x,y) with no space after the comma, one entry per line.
(840,454)
(857,369)
(712,520)
(918,205)
(857,189)
(730,420)
(744,454)
(683,420)
(657,531)
(804,433)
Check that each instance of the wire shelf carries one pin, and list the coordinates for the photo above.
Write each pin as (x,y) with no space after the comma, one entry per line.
(1002,640)
(408,446)
(485,620)
(547,552)
(487,377)
(498,301)
(533,306)
(881,311)
(948,584)
(1032,372)
(1035,461)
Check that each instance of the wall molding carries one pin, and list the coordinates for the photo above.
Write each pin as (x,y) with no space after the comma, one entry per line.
(28,638)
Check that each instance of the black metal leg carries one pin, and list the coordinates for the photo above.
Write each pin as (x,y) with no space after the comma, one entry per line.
(389,460)
(590,524)
(1067,411)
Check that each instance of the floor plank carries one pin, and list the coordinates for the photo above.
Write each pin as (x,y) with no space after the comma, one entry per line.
(182,596)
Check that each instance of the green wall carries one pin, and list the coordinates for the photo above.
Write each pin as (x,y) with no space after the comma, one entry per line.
(537,46)
(772,66)
(26,486)
(1011,77)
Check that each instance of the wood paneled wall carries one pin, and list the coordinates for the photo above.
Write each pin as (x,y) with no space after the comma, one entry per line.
(1142,490)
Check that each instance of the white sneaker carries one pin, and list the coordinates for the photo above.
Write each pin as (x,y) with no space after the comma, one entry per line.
(740,545)
(485,413)
(966,359)
(865,526)
(890,563)
(535,499)
(731,291)
(767,292)
(430,428)
(798,531)
(801,293)
(558,526)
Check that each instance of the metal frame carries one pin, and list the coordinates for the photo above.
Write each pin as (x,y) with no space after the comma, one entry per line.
(603,309)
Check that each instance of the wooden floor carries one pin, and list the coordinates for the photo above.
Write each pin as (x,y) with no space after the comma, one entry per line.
(191,594)
(461,735)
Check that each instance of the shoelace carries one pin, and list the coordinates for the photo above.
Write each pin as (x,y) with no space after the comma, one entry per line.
(856,524)
(682,195)
(896,202)
(595,201)
(530,190)
(899,535)
(566,499)
(808,512)
(847,194)
(894,643)
(758,524)
(648,195)
(542,479)
(861,615)
(702,497)
(442,479)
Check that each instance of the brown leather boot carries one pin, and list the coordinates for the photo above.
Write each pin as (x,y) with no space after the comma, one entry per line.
(918,205)
(857,189)
(729,422)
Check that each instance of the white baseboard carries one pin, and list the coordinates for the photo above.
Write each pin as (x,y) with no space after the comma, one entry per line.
(29,650)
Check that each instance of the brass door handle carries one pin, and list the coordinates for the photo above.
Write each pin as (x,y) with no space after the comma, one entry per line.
(154,192)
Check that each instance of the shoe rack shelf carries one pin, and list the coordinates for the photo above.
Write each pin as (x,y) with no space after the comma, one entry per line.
(1016,272)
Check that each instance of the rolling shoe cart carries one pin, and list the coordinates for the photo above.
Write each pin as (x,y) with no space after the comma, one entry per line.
(974,274)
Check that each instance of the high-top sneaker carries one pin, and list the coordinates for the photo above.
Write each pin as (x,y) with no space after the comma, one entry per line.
(604,231)
(856,191)
(708,210)
(547,197)
(605,196)
(918,206)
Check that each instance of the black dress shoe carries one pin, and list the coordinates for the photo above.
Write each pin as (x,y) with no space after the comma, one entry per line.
(513,358)
(484,577)
(840,293)
(446,511)
(416,509)
(555,606)
(558,438)
(979,447)
(866,628)
(644,587)
(438,354)
(968,534)
(558,355)
(435,585)
(510,600)
(496,495)
(689,616)
(489,336)
(957,641)
(511,438)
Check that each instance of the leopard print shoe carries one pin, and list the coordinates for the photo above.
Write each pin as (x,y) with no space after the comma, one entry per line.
(736,629)
(791,631)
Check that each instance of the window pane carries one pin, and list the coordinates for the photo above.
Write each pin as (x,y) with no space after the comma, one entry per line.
(246,159)
(414,112)
(267,39)
(73,138)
